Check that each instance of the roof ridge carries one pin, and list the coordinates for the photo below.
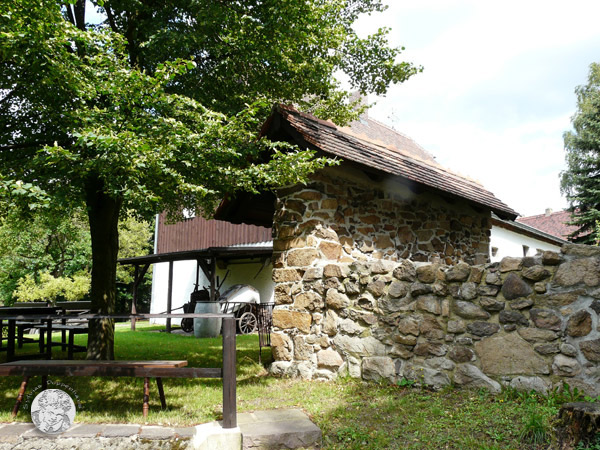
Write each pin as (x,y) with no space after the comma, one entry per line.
(391,128)
(327,137)
(414,158)
(543,215)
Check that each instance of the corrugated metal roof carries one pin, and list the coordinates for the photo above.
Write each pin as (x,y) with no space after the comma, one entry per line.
(200,233)
(332,140)
(226,253)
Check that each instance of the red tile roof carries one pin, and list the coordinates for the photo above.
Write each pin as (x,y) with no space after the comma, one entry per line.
(556,223)
(409,161)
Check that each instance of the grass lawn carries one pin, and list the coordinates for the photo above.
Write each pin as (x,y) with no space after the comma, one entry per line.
(352,414)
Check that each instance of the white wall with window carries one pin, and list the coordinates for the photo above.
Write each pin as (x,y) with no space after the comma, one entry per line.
(505,242)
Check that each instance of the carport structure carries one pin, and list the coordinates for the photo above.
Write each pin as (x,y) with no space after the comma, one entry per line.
(206,260)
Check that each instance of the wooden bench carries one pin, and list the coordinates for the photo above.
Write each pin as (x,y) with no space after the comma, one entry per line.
(138,369)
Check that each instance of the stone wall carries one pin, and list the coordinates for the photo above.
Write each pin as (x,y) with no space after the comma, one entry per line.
(347,217)
(528,322)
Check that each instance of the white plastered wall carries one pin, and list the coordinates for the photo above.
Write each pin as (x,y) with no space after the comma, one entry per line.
(509,243)
(258,275)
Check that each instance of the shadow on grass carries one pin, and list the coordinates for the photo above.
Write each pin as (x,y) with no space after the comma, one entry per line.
(371,416)
(119,399)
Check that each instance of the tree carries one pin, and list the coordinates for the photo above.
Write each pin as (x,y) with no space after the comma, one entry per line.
(159,107)
(53,246)
(48,257)
(580,182)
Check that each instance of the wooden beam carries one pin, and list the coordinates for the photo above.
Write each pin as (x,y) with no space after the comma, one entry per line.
(229,373)
(213,279)
(134,295)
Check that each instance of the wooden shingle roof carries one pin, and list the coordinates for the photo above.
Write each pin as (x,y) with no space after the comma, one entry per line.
(401,162)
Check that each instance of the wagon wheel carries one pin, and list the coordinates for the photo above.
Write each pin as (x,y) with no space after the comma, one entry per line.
(247,323)
(187,325)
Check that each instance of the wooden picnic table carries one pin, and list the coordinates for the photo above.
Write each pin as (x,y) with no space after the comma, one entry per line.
(144,369)
(18,317)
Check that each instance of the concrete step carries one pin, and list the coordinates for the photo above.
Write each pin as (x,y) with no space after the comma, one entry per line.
(278,429)
(273,430)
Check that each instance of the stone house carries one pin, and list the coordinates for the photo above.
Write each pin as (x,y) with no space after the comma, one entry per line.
(385,205)
(387,199)
(381,270)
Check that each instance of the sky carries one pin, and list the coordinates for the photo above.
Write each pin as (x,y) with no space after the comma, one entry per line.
(497,90)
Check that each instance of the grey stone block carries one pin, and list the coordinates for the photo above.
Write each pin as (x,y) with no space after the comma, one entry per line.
(282,434)
(185,433)
(34,433)
(10,433)
(155,432)
(121,430)
(287,428)
(15,429)
(85,430)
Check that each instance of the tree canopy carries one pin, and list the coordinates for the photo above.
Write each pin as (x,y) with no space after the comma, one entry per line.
(48,257)
(580,182)
(158,107)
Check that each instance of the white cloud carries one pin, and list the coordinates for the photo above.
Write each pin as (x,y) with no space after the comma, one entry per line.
(497,91)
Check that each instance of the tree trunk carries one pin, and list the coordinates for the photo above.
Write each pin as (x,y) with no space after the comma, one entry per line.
(103,214)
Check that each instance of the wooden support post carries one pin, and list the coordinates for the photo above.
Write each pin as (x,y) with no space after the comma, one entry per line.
(20,332)
(49,340)
(229,374)
(213,279)
(170,296)
(137,280)
(20,395)
(10,351)
(136,274)
(71,344)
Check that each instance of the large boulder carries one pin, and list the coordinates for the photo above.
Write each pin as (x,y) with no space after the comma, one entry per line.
(378,367)
(528,384)
(509,354)
(514,287)
(580,271)
(579,324)
(469,375)
(468,310)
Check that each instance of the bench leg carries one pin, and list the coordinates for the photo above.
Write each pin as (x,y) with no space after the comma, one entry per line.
(41,341)
(49,340)
(71,343)
(20,331)
(63,340)
(161,392)
(44,382)
(20,395)
(146,396)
